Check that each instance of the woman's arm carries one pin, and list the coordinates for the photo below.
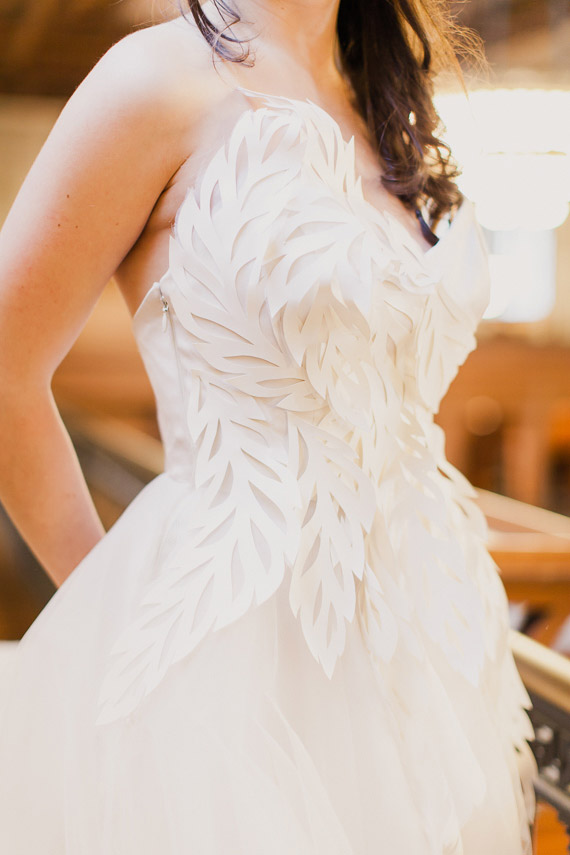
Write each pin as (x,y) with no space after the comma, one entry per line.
(83,205)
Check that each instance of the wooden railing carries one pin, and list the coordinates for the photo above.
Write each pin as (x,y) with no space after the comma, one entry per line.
(546,676)
(532,549)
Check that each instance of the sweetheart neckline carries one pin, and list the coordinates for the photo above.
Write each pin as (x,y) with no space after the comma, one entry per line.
(375,214)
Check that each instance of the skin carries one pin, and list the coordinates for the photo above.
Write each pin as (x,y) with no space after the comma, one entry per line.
(100,200)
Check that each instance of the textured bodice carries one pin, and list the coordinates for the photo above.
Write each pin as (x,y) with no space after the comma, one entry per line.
(299,345)
(287,286)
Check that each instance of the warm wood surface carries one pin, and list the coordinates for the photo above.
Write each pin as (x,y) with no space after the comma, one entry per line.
(527,383)
(550,835)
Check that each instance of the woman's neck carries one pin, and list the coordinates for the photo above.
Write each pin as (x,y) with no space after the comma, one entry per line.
(297,38)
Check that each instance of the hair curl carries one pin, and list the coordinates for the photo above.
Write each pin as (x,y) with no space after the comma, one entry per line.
(390,51)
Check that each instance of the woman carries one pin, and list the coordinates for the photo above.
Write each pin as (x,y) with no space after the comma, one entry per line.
(294,639)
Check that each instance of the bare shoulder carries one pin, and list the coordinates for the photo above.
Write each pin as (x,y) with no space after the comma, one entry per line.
(161,74)
(163,53)
(96,184)
(173,90)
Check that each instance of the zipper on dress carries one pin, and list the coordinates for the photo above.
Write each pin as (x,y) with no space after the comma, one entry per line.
(167,320)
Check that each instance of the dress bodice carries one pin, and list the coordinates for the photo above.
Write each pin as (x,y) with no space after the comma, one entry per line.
(299,345)
(286,284)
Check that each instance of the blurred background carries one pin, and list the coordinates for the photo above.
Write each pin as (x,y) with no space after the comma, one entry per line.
(506,416)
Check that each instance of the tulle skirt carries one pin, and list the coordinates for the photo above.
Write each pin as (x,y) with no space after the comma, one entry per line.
(246,747)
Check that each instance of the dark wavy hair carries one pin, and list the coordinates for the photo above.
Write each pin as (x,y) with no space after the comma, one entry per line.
(390,51)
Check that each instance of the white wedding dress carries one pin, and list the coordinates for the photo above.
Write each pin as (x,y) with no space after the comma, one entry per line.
(293,641)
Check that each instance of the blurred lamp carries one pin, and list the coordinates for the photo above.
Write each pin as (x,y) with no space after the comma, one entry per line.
(513,146)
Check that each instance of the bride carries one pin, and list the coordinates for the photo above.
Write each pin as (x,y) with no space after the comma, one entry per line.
(294,639)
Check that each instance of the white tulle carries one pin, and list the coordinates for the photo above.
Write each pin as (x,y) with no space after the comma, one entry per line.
(294,640)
